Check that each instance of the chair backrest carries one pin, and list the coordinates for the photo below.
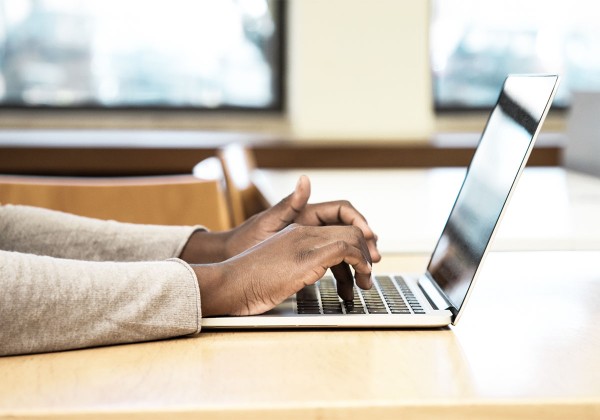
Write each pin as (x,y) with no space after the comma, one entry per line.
(164,200)
(245,199)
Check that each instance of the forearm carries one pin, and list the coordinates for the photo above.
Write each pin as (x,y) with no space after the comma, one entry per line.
(45,232)
(50,304)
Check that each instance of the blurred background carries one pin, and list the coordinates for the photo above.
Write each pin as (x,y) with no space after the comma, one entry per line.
(345,71)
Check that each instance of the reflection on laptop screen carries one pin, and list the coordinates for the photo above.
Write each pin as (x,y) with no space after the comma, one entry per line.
(496,164)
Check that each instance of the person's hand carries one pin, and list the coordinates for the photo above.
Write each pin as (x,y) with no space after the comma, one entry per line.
(208,247)
(294,209)
(263,276)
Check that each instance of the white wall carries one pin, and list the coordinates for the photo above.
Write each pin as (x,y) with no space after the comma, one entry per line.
(359,69)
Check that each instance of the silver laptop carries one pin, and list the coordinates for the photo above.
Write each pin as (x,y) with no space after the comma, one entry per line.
(437,297)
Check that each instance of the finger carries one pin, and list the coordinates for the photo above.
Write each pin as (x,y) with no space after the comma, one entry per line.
(291,206)
(373,251)
(341,251)
(301,193)
(372,243)
(362,243)
(341,212)
(344,281)
(350,234)
(353,235)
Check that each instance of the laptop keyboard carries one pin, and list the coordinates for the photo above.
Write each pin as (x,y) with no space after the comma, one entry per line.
(389,295)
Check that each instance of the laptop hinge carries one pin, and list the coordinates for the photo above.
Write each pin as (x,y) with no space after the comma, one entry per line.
(433,292)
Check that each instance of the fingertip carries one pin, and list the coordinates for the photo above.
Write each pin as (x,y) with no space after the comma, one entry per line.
(344,281)
(301,192)
(303,184)
(364,281)
(373,252)
(370,281)
(346,293)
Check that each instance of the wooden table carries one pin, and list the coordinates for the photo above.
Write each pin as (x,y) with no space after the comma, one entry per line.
(527,346)
(551,209)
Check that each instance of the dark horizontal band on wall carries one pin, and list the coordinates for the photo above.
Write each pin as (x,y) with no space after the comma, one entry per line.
(179,157)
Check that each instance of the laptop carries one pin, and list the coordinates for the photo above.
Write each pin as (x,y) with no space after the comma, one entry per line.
(437,297)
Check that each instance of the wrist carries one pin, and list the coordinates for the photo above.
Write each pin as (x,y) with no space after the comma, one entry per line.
(204,247)
(214,292)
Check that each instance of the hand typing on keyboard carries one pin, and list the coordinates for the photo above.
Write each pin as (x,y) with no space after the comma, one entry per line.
(276,253)
(295,209)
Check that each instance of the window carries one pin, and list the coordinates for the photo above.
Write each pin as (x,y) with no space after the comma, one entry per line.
(475,44)
(200,54)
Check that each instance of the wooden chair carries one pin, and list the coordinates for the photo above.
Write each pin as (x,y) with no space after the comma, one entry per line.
(245,199)
(232,167)
(164,200)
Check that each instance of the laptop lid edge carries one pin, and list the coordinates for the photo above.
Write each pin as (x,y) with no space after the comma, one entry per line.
(442,297)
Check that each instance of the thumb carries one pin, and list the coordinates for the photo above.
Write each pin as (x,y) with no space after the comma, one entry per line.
(288,209)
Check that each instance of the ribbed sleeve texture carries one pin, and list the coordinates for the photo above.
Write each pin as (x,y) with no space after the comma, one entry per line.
(70,282)
(45,232)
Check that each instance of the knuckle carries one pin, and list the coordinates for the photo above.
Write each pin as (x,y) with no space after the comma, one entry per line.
(356,231)
(303,256)
(293,226)
(301,229)
(346,203)
(342,246)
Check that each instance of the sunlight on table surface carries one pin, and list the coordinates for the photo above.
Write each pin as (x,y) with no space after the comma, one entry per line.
(528,341)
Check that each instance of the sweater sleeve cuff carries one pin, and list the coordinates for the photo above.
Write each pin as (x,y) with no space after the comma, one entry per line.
(186,238)
(194,279)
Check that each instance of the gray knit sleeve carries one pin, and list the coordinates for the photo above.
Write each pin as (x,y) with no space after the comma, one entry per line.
(50,304)
(46,232)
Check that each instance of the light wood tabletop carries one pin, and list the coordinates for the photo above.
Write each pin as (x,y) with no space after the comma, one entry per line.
(527,346)
(551,209)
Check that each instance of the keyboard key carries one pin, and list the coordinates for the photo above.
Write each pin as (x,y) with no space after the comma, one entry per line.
(378,311)
(400,311)
(332,311)
(303,311)
(356,311)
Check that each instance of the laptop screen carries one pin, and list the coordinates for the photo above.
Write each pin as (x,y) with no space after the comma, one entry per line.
(502,152)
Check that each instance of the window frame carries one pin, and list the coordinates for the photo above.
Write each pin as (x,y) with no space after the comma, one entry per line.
(469,110)
(278,85)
